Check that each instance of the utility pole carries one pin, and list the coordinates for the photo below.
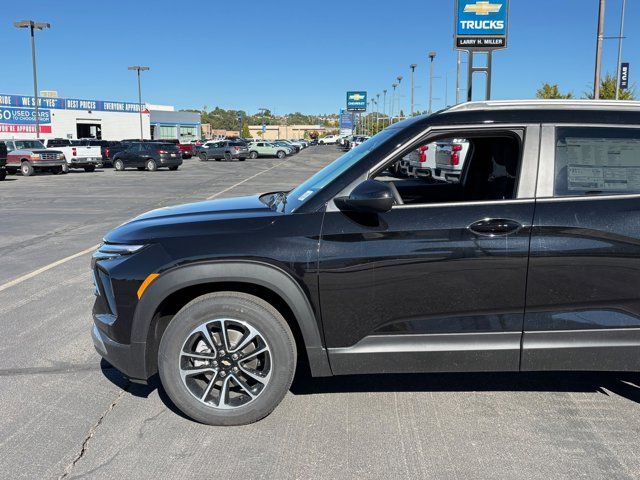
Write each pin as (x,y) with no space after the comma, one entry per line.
(596,81)
(33,26)
(139,69)
(432,56)
(377,111)
(413,69)
(620,36)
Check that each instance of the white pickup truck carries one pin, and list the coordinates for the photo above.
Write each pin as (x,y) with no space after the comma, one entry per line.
(77,156)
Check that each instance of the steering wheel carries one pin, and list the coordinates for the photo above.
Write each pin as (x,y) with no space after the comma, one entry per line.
(396,194)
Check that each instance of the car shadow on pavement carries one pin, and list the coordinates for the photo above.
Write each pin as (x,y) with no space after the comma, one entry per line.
(626,385)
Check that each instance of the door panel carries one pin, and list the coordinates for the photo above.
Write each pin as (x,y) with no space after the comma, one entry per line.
(415,289)
(584,285)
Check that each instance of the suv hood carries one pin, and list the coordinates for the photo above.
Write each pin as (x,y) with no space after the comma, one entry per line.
(194,219)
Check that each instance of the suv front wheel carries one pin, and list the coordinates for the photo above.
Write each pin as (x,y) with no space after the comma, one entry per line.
(227,358)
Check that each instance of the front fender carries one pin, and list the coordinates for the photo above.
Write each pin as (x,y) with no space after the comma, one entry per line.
(243,271)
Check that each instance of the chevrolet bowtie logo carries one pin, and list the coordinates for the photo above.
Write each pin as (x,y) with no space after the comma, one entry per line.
(483,8)
(356,97)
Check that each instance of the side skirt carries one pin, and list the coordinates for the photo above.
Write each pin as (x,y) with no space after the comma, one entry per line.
(457,352)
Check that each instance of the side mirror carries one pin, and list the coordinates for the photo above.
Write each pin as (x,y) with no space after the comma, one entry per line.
(369,196)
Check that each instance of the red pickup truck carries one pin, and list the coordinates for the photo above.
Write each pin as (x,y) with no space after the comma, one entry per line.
(30,156)
(186,149)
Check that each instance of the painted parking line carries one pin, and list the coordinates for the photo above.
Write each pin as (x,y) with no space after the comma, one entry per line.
(23,278)
(244,181)
(37,272)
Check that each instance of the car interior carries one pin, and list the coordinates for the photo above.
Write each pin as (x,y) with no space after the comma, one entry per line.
(489,172)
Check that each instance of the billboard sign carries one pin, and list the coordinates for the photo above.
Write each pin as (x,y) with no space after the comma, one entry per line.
(346,120)
(624,76)
(68,104)
(357,101)
(481,24)
(23,120)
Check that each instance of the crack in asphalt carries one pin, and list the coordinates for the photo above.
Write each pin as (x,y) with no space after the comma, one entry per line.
(91,433)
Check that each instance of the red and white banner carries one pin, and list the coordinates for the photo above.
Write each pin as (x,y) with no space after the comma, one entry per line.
(13,128)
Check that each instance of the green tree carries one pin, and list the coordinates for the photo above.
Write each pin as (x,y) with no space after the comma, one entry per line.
(245,130)
(608,90)
(549,91)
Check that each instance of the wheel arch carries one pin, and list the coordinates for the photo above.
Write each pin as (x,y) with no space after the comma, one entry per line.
(177,287)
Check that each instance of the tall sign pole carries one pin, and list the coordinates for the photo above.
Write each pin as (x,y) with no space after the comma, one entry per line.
(596,77)
(481,26)
(620,37)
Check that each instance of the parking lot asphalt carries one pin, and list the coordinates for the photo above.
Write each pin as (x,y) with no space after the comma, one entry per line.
(66,414)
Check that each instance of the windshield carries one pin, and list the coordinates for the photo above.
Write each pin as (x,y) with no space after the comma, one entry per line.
(28,144)
(332,171)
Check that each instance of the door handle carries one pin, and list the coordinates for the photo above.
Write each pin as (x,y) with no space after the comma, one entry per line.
(495,226)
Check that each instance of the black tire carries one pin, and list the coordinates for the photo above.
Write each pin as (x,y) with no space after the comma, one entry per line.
(174,168)
(241,307)
(118,165)
(253,154)
(26,169)
(241,159)
(151,165)
(90,168)
(203,157)
(3,174)
(56,170)
(227,157)
(281,154)
(65,168)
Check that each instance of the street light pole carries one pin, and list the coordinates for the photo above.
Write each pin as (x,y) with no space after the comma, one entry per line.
(393,96)
(377,111)
(139,69)
(458,65)
(399,78)
(33,26)
(413,69)
(596,81)
(624,4)
(384,104)
(432,56)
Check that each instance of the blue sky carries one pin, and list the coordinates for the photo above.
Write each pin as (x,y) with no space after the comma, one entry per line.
(295,56)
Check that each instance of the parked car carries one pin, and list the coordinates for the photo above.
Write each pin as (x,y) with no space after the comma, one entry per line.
(224,150)
(290,149)
(186,149)
(108,148)
(328,140)
(3,161)
(31,156)
(531,262)
(266,149)
(450,157)
(295,147)
(419,163)
(77,156)
(148,156)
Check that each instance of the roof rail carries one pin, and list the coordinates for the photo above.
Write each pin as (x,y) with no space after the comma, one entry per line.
(546,104)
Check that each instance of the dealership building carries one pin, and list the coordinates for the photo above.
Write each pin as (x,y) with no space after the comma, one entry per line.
(103,119)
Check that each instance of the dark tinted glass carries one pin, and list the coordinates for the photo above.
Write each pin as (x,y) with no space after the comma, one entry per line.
(597,161)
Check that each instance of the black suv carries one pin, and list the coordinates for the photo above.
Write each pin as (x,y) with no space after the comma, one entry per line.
(148,156)
(530,260)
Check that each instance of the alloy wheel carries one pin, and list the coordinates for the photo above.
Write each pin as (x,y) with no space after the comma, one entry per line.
(225,363)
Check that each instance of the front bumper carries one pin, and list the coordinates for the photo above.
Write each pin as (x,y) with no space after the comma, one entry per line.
(170,161)
(46,163)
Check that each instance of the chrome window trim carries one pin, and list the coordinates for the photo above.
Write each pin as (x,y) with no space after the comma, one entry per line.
(586,198)
(526,189)
(545,190)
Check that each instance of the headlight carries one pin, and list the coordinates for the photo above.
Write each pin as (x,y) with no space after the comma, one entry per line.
(60,156)
(35,156)
(112,250)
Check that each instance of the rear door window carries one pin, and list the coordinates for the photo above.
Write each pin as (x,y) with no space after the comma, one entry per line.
(597,161)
